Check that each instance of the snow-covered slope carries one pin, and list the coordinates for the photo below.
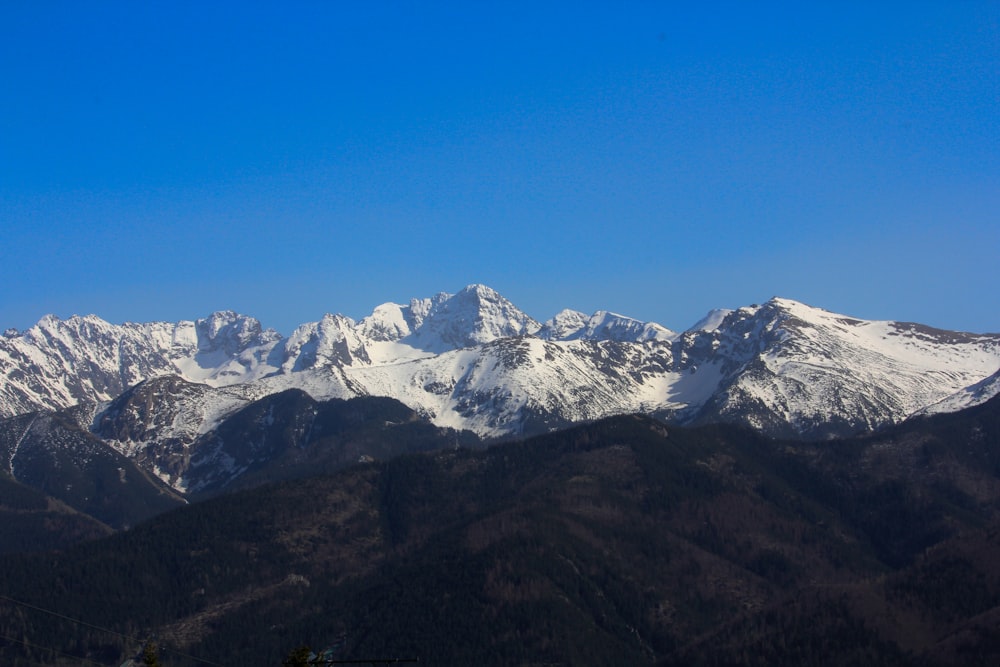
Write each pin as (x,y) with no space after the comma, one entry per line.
(602,325)
(795,370)
(526,384)
(975,394)
(473,360)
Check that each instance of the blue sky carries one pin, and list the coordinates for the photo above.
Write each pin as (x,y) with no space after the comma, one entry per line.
(159,161)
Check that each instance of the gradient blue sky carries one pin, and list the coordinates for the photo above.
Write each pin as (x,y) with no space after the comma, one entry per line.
(159,161)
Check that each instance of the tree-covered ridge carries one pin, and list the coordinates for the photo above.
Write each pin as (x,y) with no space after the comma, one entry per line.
(32,521)
(618,542)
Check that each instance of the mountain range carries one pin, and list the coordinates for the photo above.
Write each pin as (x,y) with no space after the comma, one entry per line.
(164,402)
(456,481)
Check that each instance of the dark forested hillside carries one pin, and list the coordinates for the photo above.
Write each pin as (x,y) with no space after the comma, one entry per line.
(282,436)
(66,462)
(32,521)
(619,542)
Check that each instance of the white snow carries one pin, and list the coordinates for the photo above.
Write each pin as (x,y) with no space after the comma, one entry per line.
(975,394)
(711,321)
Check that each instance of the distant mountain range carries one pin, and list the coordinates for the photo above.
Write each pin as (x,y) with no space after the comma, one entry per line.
(198,405)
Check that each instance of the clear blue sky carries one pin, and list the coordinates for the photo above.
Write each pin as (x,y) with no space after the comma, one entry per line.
(162,160)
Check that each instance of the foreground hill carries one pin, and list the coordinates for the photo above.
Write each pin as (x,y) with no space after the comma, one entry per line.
(31,521)
(618,542)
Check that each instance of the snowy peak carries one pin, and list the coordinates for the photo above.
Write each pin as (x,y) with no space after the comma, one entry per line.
(475,316)
(776,312)
(792,319)
(231,333)
(791,369)
(564,325)
(602,325)
(51,331)
(333,341)
(57,363)
(711,321)
(387,323)
(775,324)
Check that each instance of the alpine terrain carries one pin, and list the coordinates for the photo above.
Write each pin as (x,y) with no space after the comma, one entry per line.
(200,405)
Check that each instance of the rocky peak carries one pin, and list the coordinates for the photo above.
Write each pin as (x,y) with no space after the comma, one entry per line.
(229,332)
(474,316)
(388,322)
(563,325)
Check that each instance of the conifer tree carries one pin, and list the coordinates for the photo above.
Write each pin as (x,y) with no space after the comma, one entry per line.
(150,655)
(299,657)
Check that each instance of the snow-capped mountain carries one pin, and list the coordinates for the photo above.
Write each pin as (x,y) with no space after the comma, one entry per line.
(472,360)
(790,369)
(602,325)
(58,363)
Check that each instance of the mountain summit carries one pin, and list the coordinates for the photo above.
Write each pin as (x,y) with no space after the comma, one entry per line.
(474,316)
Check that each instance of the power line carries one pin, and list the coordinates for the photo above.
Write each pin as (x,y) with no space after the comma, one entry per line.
(52,650)
(67,618)
(120,635)
(389,661)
